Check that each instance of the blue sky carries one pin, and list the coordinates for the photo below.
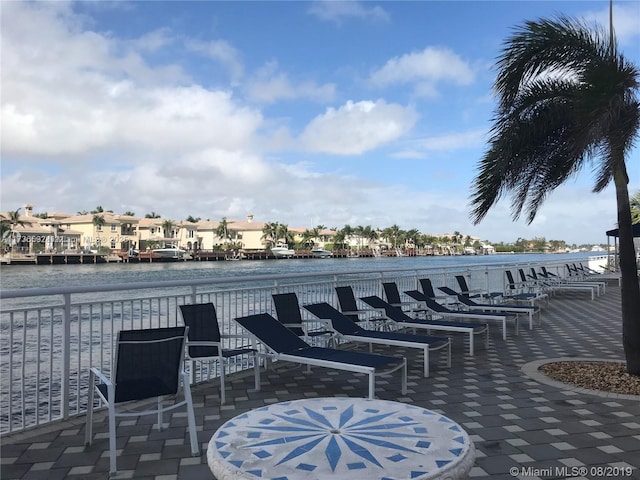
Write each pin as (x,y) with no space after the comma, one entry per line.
(304,113)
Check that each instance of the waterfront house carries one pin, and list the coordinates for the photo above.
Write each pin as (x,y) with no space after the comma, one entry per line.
(33,234)
(159,233)
(105,230)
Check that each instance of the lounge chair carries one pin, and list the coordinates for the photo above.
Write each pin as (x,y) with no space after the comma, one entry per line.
(392,293)
(349,306)
(606,275)
(400,319)
(523,291)
(578,276)
(147,364)
(464,288)
(282,344)
(494,307)
(348,330)
(204,342)
(560,286)
(427,289)
(289,314)
(437,309)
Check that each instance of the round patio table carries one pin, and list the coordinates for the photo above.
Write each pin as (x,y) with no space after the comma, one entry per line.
(341,438)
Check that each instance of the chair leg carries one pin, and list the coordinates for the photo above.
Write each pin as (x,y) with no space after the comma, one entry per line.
(112,430)
(191,418)
(426,362)
(404,377)
(372,385)
(223,395)
(88,428)
(256,371)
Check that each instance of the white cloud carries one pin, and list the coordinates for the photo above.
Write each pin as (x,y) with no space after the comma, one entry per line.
(269,85)
(456,141)
(220,51)
(357,127)
(336,11)
(154,41)
(73,92)
(626,21)
(425,69)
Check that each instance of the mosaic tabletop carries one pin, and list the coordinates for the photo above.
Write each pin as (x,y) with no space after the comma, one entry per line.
(340,438)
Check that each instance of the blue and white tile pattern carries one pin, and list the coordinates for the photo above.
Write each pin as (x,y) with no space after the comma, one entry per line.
(340,438)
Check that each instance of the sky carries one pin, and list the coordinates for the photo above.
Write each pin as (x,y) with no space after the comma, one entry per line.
(326,113)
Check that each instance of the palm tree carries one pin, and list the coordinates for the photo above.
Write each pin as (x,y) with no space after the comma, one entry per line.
(98,223)
(392,233)
(9,227)
(5,234)
(370,234)
(152,215)
(339,240)
(307,238)
(284,235)
(167,228)
(457,236)
(223,230)
(412,237)
(348,232)
(317,232)
(566,97)
(269,233)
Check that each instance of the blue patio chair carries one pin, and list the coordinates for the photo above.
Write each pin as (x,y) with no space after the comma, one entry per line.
(289,314)
(205,343)
(436,308)
(470,304)
(392,293)
(147,364)
(352,332)
(282,344)
(402,320)
(477,293)
(349,307)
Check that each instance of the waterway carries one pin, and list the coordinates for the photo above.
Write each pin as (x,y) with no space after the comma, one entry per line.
(43,276)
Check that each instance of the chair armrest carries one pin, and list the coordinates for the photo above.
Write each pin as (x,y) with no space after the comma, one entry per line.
(236,335)
(365,311)
(103,378)
(293,325)
(203,344)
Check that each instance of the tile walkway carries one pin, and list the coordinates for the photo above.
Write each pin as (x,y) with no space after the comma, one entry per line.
(522,425)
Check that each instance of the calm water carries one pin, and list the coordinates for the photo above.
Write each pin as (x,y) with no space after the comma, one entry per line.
(31,276)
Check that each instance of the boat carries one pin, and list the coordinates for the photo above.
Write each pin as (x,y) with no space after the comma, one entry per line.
(320,253)
(172,253)
(469,251)
(282,250)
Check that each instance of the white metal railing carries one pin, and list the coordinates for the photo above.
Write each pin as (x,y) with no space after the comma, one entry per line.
(52,336)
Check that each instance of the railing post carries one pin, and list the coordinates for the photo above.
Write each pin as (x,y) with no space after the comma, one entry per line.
(486,279)
(66,357)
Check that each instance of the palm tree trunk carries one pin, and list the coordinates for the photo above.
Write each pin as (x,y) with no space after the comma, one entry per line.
(629,272)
